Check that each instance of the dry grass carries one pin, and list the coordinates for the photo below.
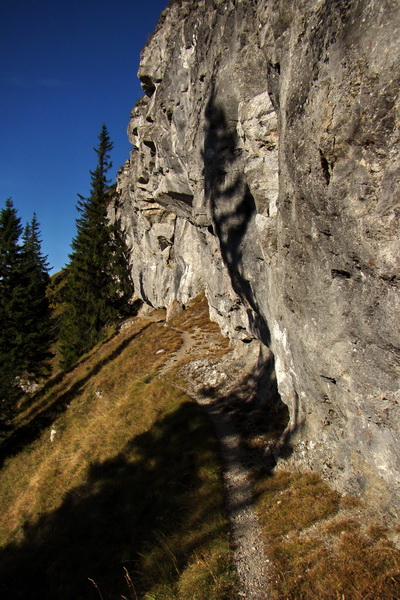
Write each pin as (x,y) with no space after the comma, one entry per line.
(196,318)
(316,554)
(127,502)
(207,337)
(127,499)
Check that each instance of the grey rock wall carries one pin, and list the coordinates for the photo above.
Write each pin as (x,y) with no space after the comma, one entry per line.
(265,171)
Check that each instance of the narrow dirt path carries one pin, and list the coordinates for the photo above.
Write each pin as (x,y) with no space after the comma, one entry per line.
(249,556)
(250,559)
(181,353)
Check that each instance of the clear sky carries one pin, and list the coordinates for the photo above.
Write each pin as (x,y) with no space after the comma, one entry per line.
(66,67)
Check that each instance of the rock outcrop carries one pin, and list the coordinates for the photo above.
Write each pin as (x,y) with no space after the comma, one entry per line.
(265,171)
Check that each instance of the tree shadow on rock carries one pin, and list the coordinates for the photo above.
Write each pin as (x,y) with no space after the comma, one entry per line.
(134,511)
(232,206)
(255,404)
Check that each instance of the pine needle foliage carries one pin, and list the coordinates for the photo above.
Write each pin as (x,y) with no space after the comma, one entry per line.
(10,306)
(25,321)
(36,326)
(98,287)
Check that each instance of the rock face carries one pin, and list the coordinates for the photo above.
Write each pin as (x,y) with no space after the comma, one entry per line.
(265,170)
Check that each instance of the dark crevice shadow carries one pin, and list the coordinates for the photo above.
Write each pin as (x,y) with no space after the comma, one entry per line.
(128,506)
(256,402)
(27,434)
(232,205)
(256,411)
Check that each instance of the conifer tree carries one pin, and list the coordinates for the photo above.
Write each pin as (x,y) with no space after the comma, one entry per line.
(25,323)
(97,290)
(10,306)
(37,323)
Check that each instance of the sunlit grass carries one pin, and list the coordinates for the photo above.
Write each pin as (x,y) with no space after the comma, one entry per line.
(127,499)
(317,555)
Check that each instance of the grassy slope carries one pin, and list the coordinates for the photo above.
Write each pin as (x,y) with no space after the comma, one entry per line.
(126,501)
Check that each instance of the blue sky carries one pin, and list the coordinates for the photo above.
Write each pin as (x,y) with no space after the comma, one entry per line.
(66,67)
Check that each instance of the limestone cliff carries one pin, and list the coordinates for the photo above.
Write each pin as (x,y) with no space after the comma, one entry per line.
(265,171)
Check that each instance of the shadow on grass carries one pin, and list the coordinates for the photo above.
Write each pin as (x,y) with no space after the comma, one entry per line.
(145,509)
(27,434)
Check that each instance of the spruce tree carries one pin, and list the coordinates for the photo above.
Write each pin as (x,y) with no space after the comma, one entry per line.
(11,305)
(25,323)
(96,293)
(37,323)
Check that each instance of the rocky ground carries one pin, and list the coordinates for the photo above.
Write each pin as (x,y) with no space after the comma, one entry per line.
(250,558)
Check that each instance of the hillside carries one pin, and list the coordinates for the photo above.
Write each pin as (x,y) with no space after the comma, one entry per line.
(129,483)
(111,487)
